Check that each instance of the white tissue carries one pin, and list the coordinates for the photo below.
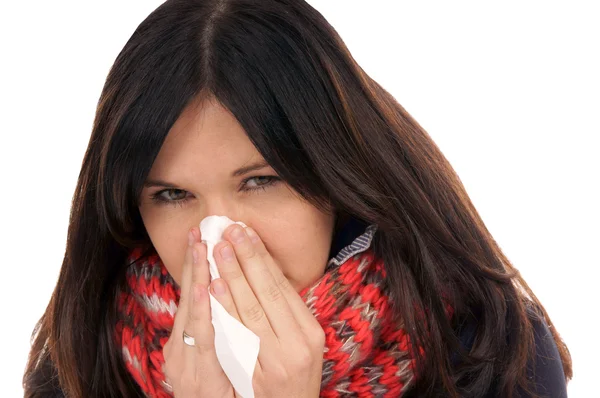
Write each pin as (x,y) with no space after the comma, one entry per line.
(236,345)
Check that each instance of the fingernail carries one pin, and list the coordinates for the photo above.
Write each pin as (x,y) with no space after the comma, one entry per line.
(218,286)
(226,253)
(238,234)
(252,234)
(190,238)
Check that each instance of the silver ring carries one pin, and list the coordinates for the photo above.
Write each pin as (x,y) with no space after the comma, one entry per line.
(189,340)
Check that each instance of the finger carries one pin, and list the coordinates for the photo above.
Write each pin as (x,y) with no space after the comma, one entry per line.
(200,272)
(251,313)
(202,356)
(186,283)
(305,318)
(258,276)
(220,291)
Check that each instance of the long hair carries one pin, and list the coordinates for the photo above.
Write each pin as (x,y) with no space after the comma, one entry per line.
(336,137)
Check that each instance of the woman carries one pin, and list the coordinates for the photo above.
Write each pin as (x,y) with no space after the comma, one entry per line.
(365,270)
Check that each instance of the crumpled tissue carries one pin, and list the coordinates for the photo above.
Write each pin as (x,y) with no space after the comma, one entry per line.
(236,345)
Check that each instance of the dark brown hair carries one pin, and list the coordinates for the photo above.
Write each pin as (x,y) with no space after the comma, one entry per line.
(336,137)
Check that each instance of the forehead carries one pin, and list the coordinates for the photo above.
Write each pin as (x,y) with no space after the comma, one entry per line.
(206,122)
(205,136)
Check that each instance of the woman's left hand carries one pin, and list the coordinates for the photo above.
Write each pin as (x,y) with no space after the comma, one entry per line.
(257,294)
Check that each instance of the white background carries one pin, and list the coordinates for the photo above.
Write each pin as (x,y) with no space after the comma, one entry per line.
(510,92)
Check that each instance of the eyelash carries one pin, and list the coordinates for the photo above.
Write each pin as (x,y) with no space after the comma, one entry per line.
(156,197)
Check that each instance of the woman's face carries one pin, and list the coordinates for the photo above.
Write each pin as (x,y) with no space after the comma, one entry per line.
(197,165)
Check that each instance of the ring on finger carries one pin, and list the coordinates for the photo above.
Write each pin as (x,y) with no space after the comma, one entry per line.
(189,340)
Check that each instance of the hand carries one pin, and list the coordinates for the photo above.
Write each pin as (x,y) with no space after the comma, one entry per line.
(290,359)
(194,371)
(260,296)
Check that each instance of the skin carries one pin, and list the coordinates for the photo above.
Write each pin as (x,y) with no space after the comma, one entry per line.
(204,146)
(258,295)
(284,249)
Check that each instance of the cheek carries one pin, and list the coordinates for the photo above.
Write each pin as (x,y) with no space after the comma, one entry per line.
(168,238)
(300,248)
(172,254)
(296,234)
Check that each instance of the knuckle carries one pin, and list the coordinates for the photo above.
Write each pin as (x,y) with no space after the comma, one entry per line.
(189,326)
(303,356)
(318,336)
(230,273)
(247,253)
(260,249)
(283,283)
(193,313)
(191,318)
(254,313)
(273,293)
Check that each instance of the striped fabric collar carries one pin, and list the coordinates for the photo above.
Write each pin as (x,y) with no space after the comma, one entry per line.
(360,244)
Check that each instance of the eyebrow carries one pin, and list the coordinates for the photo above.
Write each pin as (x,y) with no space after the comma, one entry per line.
(239,172)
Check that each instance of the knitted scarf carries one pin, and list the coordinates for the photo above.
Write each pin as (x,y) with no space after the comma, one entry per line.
(365,355)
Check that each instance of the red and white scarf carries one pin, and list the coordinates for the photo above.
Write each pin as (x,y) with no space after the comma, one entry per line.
(365,355)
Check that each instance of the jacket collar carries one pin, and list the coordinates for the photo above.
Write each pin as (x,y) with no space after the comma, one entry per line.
(354,237)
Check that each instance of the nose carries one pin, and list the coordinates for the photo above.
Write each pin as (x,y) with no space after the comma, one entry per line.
(221,207)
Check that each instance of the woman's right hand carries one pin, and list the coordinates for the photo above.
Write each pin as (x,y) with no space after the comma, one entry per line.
(194,371)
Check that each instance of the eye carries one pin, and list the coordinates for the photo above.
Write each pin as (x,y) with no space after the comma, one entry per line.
(263,184)
(178,197)
(161,199)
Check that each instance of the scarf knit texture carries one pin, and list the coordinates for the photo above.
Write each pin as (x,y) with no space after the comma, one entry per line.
(366,354)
